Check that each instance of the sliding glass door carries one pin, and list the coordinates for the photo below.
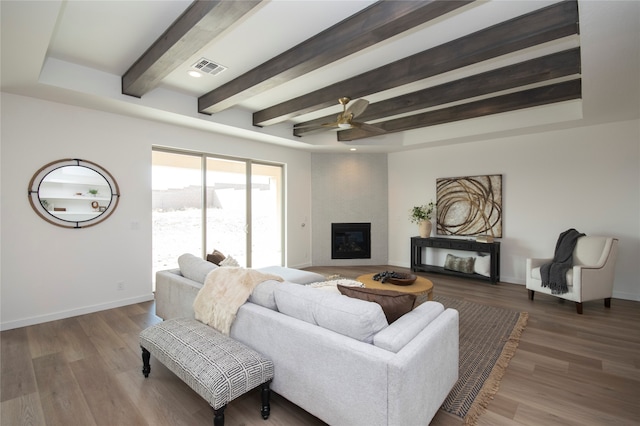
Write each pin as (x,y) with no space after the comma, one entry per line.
(266,215)
(176,207)
(201,202)
(227,208)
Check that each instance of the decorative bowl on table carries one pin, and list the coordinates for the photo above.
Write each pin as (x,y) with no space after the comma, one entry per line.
(395,278)
(404,279)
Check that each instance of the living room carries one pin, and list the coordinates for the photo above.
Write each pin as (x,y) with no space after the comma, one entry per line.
(73,301)
(590,183)
(554,177)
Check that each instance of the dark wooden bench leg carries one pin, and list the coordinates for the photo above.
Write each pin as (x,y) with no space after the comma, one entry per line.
(266,395)
(146,367)
(218,416)
(607,302)
(531,294)
(579,308)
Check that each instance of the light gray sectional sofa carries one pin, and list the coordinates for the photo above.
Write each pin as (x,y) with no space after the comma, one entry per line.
(335,356)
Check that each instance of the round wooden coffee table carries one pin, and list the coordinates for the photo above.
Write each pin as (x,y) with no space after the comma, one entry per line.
(422,287)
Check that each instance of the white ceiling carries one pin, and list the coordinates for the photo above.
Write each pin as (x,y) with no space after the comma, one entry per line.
(76,52)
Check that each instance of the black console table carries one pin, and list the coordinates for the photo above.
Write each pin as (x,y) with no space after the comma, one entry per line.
(493,249)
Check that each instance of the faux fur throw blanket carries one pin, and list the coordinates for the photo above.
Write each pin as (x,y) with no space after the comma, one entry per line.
(224,291)
(554,274)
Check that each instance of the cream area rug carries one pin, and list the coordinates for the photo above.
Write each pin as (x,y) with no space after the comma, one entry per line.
(488,340)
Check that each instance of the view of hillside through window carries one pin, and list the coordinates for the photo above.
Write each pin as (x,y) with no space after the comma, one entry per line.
(177,209)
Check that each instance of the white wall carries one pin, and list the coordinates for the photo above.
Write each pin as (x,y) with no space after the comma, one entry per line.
(346,188)
(49,272)
(587,178)
(584,178)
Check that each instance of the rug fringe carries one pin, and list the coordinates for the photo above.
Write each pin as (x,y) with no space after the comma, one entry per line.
(492,384)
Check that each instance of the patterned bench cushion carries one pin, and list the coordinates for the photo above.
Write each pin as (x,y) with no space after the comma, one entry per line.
(217,367)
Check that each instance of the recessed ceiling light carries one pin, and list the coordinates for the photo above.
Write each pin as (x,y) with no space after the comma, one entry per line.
(194,73)
(352,149)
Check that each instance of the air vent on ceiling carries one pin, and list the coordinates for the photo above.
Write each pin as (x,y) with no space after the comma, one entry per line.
(207,66)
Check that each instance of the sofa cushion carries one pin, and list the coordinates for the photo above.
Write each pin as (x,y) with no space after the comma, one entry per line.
(394,303)
(537,275)
(293,275)
(195,268)
(459,264)
(215,257)
(401,332)
(350,317)
(263,294)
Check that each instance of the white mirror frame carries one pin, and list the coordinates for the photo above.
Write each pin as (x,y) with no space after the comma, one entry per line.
(49,216)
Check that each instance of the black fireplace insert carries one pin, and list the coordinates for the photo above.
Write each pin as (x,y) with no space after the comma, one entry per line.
(351,241)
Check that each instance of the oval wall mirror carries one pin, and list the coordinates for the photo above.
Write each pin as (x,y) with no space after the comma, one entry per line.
(73,193)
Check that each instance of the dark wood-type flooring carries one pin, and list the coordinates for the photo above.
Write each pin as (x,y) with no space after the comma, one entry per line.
(569,369)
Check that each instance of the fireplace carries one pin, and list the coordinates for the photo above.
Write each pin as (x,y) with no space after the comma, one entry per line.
(351,241)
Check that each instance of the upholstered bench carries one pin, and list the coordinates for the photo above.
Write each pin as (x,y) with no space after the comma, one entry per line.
(215,366)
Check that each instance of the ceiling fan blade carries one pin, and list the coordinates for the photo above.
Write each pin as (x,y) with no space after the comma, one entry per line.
(343,120)
(357,107)
(334,124)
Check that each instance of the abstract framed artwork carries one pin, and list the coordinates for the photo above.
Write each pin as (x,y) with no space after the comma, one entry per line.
(470,205)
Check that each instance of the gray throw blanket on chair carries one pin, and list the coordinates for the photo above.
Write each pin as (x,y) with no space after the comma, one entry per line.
(554,274)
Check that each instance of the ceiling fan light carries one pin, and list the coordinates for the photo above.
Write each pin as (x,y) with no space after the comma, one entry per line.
(344,125)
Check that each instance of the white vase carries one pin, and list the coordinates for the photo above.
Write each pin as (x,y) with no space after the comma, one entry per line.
(424,228)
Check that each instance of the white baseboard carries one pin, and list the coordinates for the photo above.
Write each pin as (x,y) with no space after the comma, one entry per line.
(301,266)
(9,325)
(399,264)
(512,280)
(625,296)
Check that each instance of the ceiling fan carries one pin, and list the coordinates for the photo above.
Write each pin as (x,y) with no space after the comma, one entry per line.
(345,120)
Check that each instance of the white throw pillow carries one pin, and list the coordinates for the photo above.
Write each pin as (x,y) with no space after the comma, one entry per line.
(482,265)
(229,261)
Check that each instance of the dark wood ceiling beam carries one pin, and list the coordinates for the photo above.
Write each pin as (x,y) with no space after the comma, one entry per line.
(537,70)
(514,101)
(194,29)
(372,25)
(547,24)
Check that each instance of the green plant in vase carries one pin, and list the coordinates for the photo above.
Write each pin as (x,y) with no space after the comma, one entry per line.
(422,216)
(93,192)
(421,213)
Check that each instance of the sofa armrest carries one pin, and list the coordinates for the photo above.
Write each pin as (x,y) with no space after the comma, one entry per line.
(591,283)
(406,328)
(175,294)
(297,276)
(426,366)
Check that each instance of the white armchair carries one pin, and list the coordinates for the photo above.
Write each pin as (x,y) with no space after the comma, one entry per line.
(591,276)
